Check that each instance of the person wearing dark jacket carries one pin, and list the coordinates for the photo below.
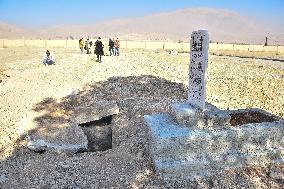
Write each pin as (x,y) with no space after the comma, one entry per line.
(87,48)
(111,46)
(99,49)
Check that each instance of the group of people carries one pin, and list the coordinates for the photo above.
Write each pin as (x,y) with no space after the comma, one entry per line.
(85,46)
(114,46)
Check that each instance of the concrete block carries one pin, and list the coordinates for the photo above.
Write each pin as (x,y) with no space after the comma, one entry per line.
(93,111)
(42,132)
(182,150)
(59,129)
(191,116)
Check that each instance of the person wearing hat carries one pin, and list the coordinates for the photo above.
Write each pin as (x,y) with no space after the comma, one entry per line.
(99,49)
(48,58)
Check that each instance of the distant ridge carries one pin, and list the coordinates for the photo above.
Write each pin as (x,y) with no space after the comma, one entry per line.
(11,31)
(223,25)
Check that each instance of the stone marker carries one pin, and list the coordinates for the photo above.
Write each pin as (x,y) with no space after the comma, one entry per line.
(196,139)
(199,44)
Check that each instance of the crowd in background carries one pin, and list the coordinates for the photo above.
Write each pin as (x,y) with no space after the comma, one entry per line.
(86,46)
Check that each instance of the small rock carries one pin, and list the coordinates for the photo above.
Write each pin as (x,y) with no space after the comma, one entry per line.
(140,155)
(277,174)
(3,178)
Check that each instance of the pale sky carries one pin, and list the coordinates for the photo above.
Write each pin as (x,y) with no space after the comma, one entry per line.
(51,12)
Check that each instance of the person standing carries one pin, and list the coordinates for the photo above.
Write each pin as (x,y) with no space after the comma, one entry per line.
(116,45)
(99,49)
(90,47)
(81,45)
(111,46)
(87,48)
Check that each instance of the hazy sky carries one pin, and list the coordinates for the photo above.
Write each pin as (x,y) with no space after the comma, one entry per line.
(50,12)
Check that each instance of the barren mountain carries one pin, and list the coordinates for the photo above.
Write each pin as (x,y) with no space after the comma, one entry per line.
(11,31)
(223,26)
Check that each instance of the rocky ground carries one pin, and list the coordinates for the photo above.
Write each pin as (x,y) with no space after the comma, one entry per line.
(142,82)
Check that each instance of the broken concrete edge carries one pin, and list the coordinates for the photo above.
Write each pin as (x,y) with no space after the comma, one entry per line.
(187,114)
(191,116)
(42,145)
(163,127)
(204,171)
(35,143)
(79,119)
(186,109)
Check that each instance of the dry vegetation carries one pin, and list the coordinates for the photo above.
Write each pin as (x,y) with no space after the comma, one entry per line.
(250,54)
(232,83)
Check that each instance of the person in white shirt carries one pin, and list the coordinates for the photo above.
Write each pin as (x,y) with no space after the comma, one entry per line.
(48,58)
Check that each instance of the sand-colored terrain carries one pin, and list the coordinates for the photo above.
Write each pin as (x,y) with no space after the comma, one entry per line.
(142,82)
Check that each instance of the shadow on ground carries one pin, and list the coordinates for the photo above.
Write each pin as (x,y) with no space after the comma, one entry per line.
(127,164)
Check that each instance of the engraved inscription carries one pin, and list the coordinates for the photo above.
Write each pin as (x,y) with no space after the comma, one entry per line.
(198,68)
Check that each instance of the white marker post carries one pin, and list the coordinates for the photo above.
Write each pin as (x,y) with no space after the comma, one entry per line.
(199,44)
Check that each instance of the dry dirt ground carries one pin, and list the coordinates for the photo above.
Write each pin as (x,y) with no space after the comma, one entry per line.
(142,82)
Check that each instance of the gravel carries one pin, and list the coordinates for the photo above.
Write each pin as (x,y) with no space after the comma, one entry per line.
(141,82)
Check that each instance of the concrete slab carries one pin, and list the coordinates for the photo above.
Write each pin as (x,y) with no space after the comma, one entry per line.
(48,130)
(182,150)
(191,116)
(93,111)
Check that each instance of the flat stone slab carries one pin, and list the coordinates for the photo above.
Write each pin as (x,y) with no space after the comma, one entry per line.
(58,129)
(179,150)
(189,115)
(93,111)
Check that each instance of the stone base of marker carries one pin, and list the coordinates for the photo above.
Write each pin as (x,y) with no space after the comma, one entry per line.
(191,116)
(217,142)
(45,131)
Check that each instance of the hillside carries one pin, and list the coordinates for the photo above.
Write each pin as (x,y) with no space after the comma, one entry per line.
(223,26)
(11,31)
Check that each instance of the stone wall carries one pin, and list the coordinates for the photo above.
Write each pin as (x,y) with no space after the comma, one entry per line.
(1,43)
(151,45)
(35,43)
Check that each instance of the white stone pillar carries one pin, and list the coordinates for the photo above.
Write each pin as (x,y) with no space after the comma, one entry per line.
(199,44)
